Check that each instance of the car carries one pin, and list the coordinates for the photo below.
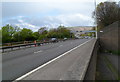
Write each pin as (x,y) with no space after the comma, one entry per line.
(54,40)
(86,37)
(64,39)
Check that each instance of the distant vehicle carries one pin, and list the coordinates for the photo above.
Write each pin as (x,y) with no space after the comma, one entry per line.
(87,37)
(54,40)
(65,39)
(84,36)
(76,38)
(81,37)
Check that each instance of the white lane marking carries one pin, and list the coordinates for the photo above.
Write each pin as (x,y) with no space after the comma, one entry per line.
(38,52)
(60,45)
(25,75)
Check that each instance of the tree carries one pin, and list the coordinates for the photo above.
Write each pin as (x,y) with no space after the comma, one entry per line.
(106,14)
(42,30)
(42,37)
(36,35)
(7,33)
(52,33)
(64,32)
(26,35)
(60,32)
(0,36)
(16,37)
(42,33)
(15,34)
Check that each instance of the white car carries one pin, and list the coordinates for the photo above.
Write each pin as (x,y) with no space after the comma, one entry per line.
(65,39)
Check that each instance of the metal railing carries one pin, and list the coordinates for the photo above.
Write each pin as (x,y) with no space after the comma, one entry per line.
(11,47)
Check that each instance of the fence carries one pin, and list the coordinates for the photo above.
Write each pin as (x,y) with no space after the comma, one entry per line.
(21,45)
(27,43)
(109,37)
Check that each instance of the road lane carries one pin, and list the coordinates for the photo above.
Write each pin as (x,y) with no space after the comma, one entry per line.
(27,51)
(19,62)
(71,66)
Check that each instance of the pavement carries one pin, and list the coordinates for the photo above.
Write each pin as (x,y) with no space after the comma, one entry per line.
(19,62)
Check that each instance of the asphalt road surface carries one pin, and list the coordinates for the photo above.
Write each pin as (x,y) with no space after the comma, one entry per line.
(17,63)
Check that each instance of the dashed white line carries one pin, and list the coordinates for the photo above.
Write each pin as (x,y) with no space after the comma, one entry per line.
(38,52)
(60,45)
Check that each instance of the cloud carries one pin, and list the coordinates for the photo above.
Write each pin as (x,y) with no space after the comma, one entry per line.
(46,1)
(52,0)
(35,23)
(49,13)
(20,21)
(27,25)
(46,8)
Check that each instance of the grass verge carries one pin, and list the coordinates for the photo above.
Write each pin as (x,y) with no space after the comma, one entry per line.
(112,68)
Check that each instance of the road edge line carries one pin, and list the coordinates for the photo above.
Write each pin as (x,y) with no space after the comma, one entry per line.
(34,70)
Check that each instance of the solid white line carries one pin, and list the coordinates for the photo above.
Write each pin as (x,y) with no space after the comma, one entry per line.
(20,78)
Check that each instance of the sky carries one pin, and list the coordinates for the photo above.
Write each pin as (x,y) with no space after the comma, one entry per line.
(33,14)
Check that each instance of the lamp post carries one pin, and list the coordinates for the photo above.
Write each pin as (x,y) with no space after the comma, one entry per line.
(95,18)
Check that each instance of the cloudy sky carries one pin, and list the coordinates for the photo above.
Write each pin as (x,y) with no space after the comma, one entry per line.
(34,14)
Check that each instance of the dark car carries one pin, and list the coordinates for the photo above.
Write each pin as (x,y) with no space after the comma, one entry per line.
(54,40)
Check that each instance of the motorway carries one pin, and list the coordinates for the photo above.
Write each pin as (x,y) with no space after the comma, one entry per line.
(17,63)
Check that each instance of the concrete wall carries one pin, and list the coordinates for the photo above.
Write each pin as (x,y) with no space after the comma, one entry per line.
(109,37)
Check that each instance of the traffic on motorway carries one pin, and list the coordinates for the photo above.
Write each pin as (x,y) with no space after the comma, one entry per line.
(18,62)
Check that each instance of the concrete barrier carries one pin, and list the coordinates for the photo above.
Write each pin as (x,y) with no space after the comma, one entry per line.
(10,48)
(91,70)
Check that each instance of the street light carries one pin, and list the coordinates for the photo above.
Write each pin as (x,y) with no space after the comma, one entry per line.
(95,16)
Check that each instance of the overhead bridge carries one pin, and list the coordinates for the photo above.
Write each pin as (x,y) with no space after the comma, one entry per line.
(89,31)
